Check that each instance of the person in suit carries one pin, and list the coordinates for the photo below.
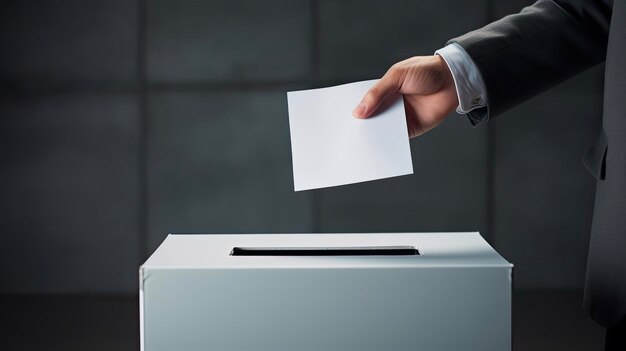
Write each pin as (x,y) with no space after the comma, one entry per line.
(485,72)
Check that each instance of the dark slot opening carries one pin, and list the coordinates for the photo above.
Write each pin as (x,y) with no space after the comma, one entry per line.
(326,251)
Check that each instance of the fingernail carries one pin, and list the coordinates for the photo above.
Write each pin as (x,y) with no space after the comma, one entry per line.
(359,111)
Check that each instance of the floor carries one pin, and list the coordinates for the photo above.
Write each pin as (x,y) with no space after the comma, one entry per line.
(542,320)
(553,320)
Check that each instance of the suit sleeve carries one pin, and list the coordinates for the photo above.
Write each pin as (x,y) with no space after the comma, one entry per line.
(527,53)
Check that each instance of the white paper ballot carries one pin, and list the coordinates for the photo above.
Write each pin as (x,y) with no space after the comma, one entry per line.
(330,147)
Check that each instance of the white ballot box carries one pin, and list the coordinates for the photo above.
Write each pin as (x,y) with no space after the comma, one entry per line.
(286,292)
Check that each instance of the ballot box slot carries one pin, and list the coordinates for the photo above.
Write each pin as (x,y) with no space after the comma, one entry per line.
(327,251)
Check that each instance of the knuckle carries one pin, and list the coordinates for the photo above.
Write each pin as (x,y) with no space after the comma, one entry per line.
(394,70)
(395,73)
(373,94)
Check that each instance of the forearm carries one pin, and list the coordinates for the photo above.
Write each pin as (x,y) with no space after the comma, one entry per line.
(524,54)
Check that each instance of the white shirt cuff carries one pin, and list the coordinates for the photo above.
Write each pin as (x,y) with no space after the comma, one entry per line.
(470,88)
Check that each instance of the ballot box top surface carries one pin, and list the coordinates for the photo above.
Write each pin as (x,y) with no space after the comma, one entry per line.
(371,250)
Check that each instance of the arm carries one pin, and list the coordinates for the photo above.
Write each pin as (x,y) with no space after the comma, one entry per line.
(524,54)
(518,57)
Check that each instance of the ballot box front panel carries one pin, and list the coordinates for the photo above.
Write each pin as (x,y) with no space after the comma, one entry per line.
(386,308)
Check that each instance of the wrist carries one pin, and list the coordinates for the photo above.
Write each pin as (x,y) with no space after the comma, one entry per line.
(469,86)
(448,86)
(447,79)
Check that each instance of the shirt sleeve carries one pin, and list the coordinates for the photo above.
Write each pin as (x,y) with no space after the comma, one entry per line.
(468,82)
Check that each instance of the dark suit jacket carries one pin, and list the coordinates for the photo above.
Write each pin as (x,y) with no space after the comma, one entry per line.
(521,55)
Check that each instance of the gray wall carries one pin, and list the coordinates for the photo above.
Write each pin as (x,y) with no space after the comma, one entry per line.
(122,121)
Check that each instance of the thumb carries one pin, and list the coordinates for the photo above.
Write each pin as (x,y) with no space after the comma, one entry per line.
(385,87)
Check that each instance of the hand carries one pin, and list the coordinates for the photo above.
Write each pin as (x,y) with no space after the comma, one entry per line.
(428,89)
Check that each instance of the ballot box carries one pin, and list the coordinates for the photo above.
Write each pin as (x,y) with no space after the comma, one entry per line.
(286,292)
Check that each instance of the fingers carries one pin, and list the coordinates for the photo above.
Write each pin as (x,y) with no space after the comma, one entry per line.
(385,87)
